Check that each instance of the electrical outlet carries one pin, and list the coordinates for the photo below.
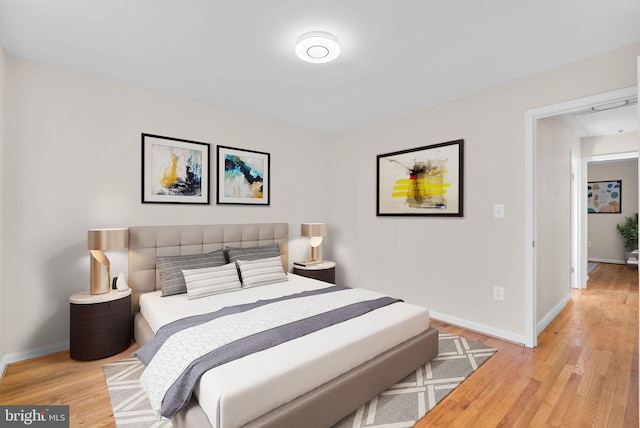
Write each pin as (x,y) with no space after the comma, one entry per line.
(498,293)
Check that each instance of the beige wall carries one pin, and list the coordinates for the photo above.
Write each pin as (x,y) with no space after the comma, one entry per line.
(72,163)
(451,264)
(624,142)
(555,144)
(607,245)
(73,145)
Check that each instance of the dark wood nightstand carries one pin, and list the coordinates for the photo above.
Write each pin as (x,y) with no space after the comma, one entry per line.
(100,324)
(325,271)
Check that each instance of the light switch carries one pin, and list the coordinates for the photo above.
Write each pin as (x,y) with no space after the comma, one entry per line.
(498,211)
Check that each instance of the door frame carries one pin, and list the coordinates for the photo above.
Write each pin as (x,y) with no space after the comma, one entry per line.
(585,178)
(576,220)
(531,118)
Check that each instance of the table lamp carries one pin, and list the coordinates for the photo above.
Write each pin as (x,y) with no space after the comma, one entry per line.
(316,231)
(99,240)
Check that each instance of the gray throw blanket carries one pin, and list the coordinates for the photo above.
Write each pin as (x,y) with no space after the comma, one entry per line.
(170,384)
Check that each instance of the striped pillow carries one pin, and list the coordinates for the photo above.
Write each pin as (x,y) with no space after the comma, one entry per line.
(253,253)
(261,272)
(170,269)
(212,280)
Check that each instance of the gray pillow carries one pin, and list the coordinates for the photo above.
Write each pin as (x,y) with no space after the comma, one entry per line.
(170,269)
(253,253)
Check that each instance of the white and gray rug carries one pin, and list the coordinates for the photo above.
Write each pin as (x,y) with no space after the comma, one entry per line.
(399,406)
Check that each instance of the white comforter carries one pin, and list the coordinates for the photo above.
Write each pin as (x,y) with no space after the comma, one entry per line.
(238,392)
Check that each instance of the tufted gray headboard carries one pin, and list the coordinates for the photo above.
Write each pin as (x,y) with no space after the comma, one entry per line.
(148,242)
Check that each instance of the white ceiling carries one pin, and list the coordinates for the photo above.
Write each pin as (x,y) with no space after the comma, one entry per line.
(397,55)
(604,119)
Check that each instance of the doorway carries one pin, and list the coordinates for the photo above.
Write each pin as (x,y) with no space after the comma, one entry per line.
(604,243)
(532,325)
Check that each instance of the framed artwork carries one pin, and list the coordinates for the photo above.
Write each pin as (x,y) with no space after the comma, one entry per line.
(243,176)
(174,171)
(425,181)
(604,197)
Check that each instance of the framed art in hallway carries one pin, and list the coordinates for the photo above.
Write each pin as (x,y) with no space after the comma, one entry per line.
(424,181)
(243,176)
(604,197)
(174,171)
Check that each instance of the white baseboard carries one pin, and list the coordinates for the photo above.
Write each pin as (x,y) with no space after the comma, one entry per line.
(480,328)
(544,322)
(32,353)
(619,262)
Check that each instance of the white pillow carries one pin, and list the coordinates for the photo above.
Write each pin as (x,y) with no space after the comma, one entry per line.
(261,272)
(211,280)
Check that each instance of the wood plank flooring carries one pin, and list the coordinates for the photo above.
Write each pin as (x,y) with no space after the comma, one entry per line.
(584,371)
(57,379)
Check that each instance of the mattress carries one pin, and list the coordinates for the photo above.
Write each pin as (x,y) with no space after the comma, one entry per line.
(235,393)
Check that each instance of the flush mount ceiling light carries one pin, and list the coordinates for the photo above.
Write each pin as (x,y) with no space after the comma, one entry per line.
(317,47)
(613,104)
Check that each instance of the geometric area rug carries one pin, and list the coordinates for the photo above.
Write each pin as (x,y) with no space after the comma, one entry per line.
(402,405)
(131,407)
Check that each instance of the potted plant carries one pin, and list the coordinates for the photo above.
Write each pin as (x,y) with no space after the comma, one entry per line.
(629,231)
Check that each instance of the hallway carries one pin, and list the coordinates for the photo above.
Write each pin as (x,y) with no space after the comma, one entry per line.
(584,371)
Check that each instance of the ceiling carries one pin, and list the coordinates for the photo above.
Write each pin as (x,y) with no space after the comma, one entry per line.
(397,55)
(604,119)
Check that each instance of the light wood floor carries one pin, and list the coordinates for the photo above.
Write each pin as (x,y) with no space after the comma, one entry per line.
(584,371)
(57,379)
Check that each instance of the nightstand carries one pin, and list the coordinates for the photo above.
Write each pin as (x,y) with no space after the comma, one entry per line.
(100,324)
(325,271)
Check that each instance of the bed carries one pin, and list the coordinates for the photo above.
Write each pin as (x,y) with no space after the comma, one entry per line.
(332,382)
